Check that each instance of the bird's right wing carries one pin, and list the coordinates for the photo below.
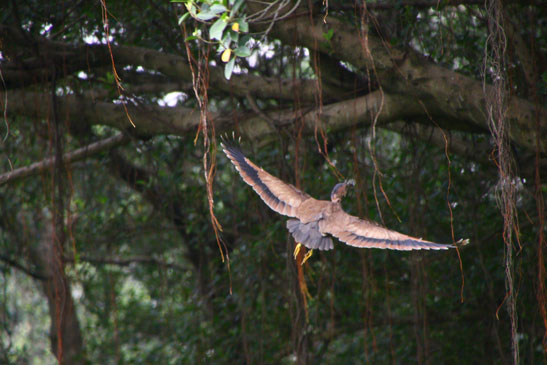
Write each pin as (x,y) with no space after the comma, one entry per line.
(364,233)
(282,197)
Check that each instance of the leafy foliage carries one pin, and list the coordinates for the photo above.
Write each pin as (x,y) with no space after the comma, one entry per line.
(225,30)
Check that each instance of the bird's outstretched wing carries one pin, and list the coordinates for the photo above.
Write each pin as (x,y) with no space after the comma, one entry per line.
(282,197)
(364,233)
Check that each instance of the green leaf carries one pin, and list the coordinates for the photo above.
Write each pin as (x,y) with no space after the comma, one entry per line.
(243,40)
(236,6)
(190,38)
(191,8)
(183,18)
(217,8)
(243,26)
(234,36)
(216,29)
(205,15)
(242,51)
(229,68)
(328,35)
(226,40)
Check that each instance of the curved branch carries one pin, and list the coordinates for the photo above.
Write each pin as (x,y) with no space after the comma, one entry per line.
(418,4)
(445,139)
(76,58)
(360,112)
(443,92)
(76,155)
(155,120)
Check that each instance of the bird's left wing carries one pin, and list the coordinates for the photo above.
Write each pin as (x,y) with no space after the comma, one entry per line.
(364,233)
(282,197)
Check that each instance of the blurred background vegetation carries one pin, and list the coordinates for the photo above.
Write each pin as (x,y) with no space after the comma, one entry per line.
(114,253)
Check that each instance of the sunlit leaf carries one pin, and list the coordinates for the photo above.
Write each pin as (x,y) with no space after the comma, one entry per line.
(229,68)
(226,39)
(217,9)
(205,15)
(216,29)
(191,8)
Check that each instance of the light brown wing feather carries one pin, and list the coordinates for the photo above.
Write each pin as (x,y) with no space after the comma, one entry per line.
(282,197)
(363,233)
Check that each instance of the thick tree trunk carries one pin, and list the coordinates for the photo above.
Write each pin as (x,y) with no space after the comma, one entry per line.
(65,333)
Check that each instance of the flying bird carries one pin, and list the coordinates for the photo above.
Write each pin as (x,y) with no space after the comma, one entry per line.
(313,222)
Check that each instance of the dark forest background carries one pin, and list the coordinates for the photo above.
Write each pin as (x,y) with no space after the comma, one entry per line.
(127,237)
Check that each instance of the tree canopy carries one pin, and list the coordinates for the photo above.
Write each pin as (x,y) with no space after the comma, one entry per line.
(126,236)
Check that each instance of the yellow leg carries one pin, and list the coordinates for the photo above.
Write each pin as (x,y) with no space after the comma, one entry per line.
(307,256)
(297,249)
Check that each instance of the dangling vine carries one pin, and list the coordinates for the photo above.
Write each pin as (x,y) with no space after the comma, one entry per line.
(496,105)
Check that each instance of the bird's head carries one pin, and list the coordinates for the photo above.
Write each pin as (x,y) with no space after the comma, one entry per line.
(340,190)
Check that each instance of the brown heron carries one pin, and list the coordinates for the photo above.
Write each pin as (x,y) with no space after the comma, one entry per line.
(315,221)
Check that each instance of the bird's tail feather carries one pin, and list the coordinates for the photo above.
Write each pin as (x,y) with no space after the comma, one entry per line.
(309,235)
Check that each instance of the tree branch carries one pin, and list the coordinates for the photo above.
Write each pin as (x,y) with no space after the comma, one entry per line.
(455,143)
(479,152)
(76,155)
(417,4)
(444,94)
(154,120)
(83,57)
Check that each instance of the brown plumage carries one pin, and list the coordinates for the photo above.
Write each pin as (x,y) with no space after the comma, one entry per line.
(317,220)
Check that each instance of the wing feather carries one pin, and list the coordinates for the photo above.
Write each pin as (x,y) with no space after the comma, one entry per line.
(280,196)
(364,233)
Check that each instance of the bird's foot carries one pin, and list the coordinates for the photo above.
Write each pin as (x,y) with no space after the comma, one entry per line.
(462,242)
(307,256)
(297,250)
